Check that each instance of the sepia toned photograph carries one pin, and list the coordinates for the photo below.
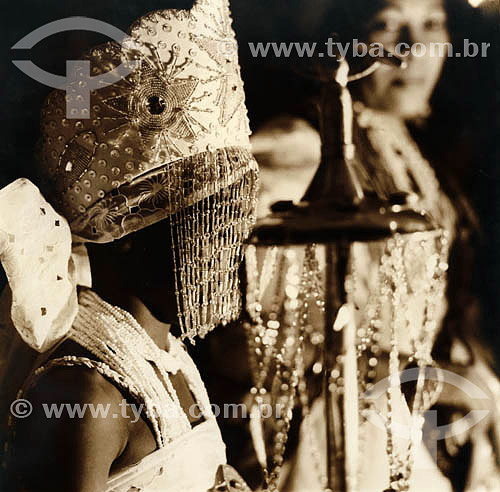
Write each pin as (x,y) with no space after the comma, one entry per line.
(250,245)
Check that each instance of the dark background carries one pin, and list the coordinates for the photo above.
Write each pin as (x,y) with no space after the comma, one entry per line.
(463,135)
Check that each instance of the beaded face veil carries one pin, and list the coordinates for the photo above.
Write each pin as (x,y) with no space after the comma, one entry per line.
(169,140)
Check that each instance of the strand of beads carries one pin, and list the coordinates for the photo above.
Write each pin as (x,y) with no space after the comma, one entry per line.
(312,294)
(395,285)
(286,376)
(434,286)
(367,348)
(116,338)
(277,346)
(255,329)
(267,336)
(262,340)
(312,264)
(306,421)
(309,293)
(285,361)
(369,330)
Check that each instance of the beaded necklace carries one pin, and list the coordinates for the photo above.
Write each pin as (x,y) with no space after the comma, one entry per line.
(270,355)
(130,358)
(115,337)
(276,358)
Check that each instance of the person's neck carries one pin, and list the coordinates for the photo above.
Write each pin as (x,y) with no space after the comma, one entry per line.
(157,330)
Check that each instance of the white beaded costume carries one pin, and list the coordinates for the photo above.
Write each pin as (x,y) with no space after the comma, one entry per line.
(187,458)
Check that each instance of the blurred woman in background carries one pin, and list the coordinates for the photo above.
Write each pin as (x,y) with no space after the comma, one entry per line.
(405,120)
(392,108)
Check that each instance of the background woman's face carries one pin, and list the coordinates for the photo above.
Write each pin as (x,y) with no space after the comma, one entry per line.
(406,93)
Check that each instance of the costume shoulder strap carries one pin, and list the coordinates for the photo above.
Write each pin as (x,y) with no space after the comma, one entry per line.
(118,380)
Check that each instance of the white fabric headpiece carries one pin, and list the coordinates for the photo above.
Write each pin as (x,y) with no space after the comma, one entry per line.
(36,254)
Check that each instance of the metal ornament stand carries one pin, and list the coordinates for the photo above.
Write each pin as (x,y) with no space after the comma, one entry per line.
(336,212)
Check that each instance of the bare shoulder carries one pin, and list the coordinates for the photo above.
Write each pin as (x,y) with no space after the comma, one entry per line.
(75,383)
(76,430)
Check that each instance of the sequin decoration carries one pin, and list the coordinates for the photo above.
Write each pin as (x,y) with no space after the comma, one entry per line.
(170,139)
(184,100)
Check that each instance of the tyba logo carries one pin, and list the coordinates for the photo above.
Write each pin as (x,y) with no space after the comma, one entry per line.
(77,83)
(431,432)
